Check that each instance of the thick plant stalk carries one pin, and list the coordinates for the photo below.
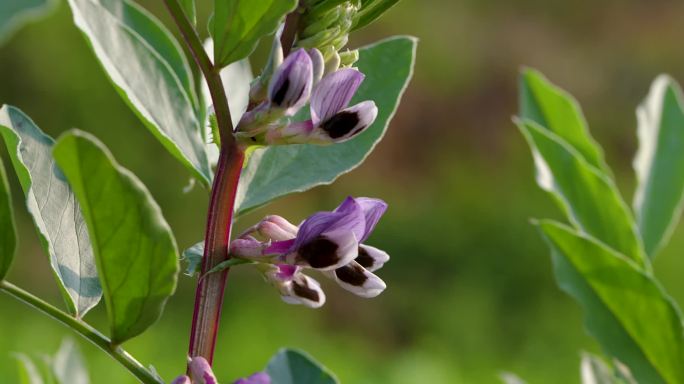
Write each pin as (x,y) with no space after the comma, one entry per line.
(210,288)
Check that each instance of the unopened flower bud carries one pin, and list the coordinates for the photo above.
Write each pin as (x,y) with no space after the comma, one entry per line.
(318,63)
(348,58)
(181,380)
(201,372)
(277,228)
(257,378)
(258,90)
(248,248)
(333,62)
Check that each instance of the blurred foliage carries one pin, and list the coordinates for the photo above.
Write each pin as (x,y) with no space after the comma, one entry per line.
(471,291)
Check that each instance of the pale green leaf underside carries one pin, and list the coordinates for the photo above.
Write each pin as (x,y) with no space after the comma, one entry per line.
(54,209)
(30,372)
(618,297)
(239,24)
(557,111)
(8,234)
(659,163)
(68,364)
(280,170)
(15,13)
(136,253)
(149,71)
(589,198)
(290,366)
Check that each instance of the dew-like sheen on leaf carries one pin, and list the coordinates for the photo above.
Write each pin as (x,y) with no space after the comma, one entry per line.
(136,253)
(276,171)
(54,209)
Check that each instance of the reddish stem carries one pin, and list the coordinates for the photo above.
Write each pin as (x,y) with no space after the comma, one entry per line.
(210,289)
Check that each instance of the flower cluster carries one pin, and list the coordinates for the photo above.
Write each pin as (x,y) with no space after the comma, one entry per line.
(201,373)
(302,77)
(330,242)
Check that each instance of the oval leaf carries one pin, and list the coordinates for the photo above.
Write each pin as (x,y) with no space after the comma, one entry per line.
(239,24)
(626,310)
(8,234)
(54,209)
(276,171)
(136,253)
(150,72)
(659,163)
(289,366)
(589,198)
(556,110)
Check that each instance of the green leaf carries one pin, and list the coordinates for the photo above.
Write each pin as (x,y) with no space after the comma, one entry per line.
(626,309)
(8,233)
(148,69)
(68,364)
(371,10)
(589,198)
(239,24)
(557,111)
(276,171)
(290,366)
(54,210)
(593,370)
(659,163)
(190,10)
(136,253)
(15,13)
(193,257)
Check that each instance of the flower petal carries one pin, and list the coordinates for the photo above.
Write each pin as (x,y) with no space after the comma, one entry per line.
(318,64)
(248,248)
(359,281)
(277,228)
(290,86)
(181,380)
(298,132)
(373,209)
(257,378)
(327,251)
(303,290)
(371,258)
(333,93)
(347,217)
(280,247)
(281,273)
(347,123)
(201,372)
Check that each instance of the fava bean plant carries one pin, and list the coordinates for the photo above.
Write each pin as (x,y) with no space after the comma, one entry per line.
(603,256)
(313,112)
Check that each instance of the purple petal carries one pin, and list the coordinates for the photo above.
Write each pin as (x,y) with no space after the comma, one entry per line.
(257,378)
(277,228)
(347,217)
(347,123)
(333,93)
(181,380)
(201,371)
(280,247)
(373,209)
(291,84)
(286,272)
(247,247)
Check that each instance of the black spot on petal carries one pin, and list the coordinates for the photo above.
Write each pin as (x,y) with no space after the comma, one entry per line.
(352,274)
(279,95)
(320,252)
(364,258)
(301,289)
(340,124)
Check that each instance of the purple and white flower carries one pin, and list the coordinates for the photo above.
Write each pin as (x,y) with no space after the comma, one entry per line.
(201,373)
(328,241)
(332,120)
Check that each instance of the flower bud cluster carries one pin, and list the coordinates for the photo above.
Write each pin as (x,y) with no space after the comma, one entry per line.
(330,242)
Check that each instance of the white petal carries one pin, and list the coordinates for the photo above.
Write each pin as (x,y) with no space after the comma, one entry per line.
(372,258)
(359,281)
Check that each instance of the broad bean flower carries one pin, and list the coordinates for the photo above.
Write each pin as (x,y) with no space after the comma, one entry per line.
(331,242)
(201,373)
(298,80)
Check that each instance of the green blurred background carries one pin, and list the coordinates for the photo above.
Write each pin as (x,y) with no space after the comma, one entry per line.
(471,293)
